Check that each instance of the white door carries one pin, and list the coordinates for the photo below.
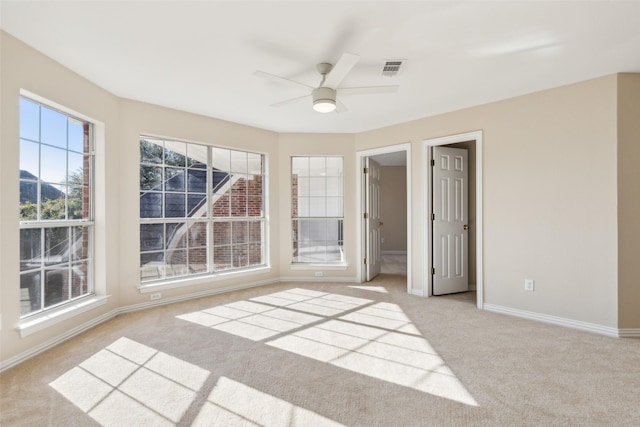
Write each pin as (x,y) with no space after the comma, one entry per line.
(450,220)
(372,217)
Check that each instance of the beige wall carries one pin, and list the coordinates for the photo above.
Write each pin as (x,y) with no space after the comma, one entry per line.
(552,163)
(629,200)
(393,208)
(549,209)
(24,68)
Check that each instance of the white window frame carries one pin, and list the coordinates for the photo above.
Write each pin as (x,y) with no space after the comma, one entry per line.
(45,316)
(211,273)
(297,264)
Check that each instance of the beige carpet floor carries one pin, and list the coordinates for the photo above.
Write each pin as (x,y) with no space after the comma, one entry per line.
(312,354)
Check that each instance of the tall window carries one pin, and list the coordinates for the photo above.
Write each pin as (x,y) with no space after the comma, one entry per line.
(201,209)
(56,222)
(317,209)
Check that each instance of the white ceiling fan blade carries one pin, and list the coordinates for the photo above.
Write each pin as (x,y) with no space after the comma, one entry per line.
(280,79)
(340,70)
(289,101)
(367,90)
(340,107)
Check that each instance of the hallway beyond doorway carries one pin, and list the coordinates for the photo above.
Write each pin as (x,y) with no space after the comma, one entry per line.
(394,263)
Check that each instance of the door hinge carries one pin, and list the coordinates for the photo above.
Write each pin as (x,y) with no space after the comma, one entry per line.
(366,170)
(365,261)
(433,217)
(366,215)
(433,271)
(433,162)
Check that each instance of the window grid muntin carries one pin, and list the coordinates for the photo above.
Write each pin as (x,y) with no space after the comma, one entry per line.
(38,223)
(310,181)
(168,193)
(229,168)
(186,248)
(38,181)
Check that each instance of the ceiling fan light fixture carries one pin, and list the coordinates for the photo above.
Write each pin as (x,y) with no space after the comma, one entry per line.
(324,99)
(324,105)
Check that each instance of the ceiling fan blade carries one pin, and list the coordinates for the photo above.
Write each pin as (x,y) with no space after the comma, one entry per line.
(280,79)
(366,90)
(340,70)
(340,107)
(289,101)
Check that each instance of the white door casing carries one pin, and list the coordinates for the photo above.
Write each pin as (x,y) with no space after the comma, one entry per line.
(372,218)
(450,220)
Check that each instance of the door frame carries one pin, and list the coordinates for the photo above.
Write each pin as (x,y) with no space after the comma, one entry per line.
(360,206)
(428,201)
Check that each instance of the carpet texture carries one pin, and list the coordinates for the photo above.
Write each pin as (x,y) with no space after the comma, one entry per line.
(327,354)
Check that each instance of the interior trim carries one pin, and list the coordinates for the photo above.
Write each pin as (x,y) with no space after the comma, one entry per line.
(629,333)
(51,317)
(555,320)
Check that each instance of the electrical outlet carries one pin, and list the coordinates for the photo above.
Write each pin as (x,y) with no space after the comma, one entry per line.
(528,285)
(155,296)
(319,274)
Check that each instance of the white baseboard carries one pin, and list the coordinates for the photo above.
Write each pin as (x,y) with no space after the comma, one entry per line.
(327,279)
(561,321)
(629,333)
(19,358)
(195,295)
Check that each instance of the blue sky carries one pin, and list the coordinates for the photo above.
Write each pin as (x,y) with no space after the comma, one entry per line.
(45,137)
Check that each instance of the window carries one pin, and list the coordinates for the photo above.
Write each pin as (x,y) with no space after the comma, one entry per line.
(201,209)
(317,209)
(56,207)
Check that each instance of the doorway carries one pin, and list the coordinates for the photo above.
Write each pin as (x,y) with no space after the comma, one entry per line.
(384,174)
(472,143)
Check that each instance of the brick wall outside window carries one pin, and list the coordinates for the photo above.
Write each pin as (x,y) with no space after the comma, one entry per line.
(224,233)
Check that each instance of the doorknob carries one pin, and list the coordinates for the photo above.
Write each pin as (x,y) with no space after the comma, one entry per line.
(465,227)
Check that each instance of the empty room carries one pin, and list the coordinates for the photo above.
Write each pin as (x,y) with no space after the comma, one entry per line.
(305,213)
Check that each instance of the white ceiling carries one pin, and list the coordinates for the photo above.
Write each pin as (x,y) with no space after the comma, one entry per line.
(200,56)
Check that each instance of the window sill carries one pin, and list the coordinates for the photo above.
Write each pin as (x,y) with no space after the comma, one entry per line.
(41,321)
(199,280)
(319,266)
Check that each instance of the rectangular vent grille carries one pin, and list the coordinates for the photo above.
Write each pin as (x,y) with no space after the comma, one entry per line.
(391,68)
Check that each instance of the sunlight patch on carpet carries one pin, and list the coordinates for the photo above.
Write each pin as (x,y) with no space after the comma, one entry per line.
(379,289)
(376,339)
(128,383)
(232,403)
(271,315)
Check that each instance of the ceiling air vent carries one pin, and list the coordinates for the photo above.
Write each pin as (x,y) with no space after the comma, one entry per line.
(391,68)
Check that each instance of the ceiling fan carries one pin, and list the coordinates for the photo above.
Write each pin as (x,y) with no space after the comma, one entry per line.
(325,96)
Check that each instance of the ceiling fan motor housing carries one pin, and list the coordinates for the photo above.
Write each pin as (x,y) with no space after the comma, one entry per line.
(324,99)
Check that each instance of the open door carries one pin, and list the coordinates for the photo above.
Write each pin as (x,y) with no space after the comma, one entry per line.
(450,220)
(372,221)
